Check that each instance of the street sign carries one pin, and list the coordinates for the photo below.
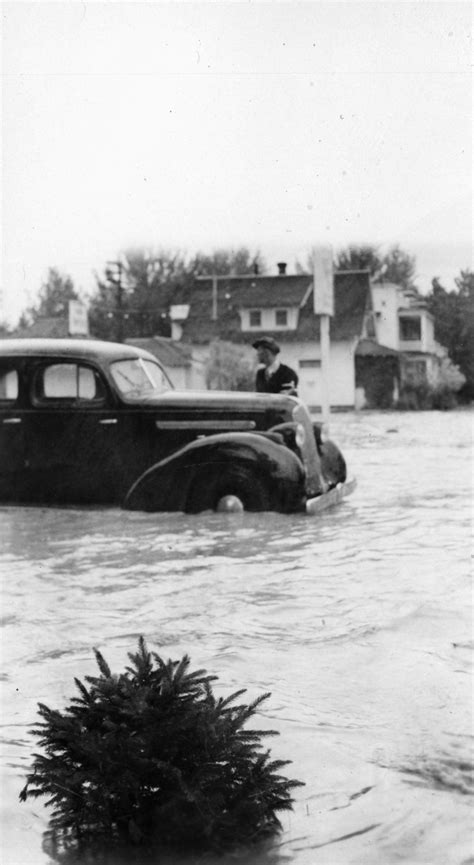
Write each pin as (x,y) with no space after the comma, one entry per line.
(323,287)
(78,319)
(179,311)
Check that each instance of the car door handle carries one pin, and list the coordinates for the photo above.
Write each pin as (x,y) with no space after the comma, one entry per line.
(12,420)
(108,421)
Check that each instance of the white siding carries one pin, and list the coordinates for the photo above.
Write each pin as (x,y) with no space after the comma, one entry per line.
(428,333)
(341,374)
(176,374)
(386,300)
(188,377)
(389,304)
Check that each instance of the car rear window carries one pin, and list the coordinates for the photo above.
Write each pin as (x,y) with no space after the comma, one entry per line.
(8,385)
(68,381)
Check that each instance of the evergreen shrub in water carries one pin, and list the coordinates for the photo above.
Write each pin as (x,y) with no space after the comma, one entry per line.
(152,757)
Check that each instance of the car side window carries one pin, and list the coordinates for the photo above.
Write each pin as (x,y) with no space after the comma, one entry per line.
(68,382)
(9,385)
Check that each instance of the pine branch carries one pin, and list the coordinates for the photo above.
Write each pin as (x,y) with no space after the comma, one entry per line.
(102,664)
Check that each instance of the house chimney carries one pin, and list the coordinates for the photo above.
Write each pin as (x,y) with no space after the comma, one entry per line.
(178,314)
(281,268)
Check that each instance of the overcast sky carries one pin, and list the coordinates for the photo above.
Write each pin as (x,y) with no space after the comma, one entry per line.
(199,125)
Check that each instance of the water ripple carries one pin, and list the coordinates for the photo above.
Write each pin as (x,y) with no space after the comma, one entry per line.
(358,622)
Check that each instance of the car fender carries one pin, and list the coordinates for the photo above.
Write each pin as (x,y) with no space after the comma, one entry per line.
(165,486)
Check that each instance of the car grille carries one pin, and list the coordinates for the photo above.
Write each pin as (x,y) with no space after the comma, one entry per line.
(309,452)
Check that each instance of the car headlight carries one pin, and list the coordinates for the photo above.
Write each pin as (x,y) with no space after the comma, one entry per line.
(300,436)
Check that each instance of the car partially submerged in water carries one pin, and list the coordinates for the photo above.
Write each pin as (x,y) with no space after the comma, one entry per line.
(90,422)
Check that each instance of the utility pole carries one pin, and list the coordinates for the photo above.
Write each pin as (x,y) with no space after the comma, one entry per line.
(214,298)
(114,275)
(214,279)
(323,293)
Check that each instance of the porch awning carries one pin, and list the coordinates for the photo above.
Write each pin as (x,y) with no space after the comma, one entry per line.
(370,348)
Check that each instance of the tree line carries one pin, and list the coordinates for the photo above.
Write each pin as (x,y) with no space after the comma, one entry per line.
(132,296)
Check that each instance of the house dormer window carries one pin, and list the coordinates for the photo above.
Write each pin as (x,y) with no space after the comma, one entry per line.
(269,318)
(410,328)
(255,318)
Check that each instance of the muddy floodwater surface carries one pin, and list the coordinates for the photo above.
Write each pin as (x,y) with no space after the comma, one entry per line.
(358,621)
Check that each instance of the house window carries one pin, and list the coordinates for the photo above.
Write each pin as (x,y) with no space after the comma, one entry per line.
(255,318)
(410,329)
(309,364)
(370,325)
(281,317)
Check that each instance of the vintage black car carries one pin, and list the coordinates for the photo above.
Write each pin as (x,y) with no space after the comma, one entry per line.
(90,422)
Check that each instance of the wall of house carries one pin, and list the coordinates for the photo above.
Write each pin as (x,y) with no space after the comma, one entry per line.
(299,355)
(426,342)
(390,304)
(197,376)
(188,377)
(427,325)
(342,370)
(177,374)
(386,300)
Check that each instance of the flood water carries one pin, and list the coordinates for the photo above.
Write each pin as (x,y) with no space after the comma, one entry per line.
(359,622)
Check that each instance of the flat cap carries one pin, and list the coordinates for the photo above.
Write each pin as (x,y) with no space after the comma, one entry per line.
(267,342)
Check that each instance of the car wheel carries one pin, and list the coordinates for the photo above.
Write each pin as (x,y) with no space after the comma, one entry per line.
(236,489)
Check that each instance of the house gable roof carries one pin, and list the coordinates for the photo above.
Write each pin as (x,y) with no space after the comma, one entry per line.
(266,292)
(168,352)
(352,299)
(370,348)
(46,328)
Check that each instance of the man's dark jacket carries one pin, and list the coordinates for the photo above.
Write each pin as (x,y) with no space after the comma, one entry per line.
(283,380)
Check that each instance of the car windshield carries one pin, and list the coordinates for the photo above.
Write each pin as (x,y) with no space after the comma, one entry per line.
(137,378)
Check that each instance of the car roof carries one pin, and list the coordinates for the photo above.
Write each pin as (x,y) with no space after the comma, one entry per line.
(85,348)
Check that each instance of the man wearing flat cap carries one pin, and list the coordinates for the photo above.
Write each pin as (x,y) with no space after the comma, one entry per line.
(273,376)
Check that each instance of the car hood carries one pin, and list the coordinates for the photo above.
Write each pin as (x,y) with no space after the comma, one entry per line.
(226,400)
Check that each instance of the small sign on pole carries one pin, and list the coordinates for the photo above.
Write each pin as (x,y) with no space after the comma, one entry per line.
(323,294)
(179,311)
(78,319)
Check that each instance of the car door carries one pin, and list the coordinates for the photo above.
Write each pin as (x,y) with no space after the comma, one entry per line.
(71,434)
(12,433)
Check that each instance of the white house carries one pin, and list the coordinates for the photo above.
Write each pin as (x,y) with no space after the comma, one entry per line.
(403,323)
(238,309)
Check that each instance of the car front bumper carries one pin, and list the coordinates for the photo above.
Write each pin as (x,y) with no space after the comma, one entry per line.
(332,497)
